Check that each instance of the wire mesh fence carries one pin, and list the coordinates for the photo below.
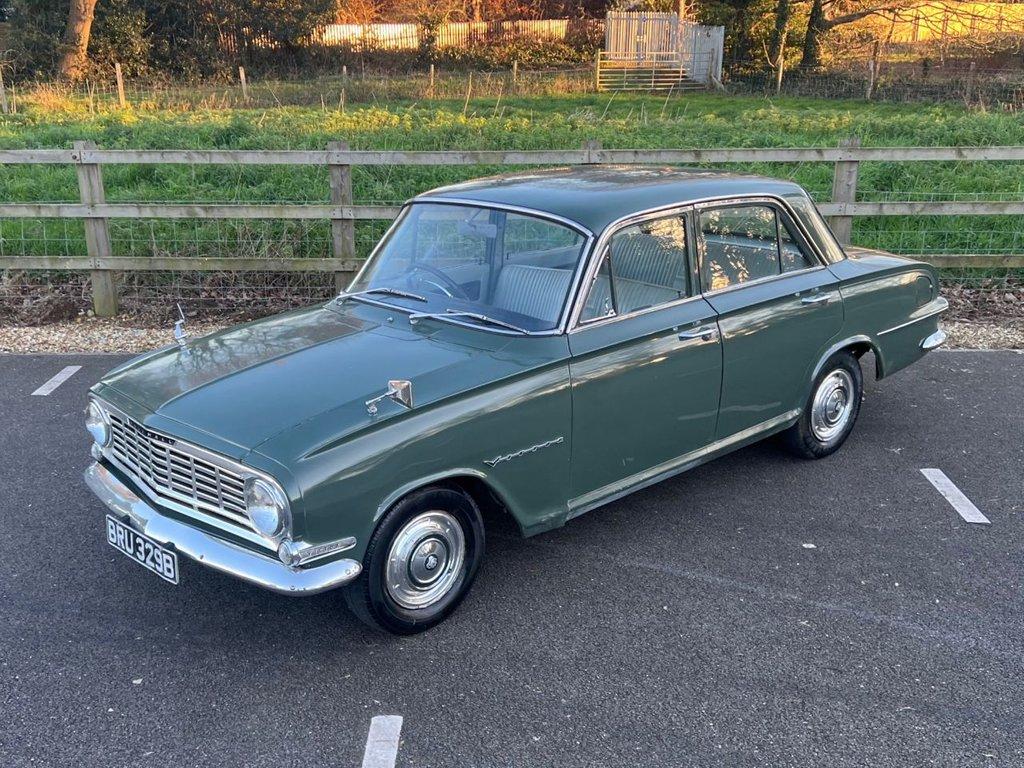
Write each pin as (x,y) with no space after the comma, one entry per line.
(1001,89)
(886,81)
(329,92)
(30,294)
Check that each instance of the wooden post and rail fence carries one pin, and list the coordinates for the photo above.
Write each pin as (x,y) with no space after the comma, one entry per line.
(343,213)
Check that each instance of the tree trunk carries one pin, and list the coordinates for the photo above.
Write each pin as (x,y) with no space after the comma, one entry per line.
(76,39)
(817,26)
(778,39)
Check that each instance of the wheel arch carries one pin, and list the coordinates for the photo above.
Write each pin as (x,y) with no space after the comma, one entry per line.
(859,345)
(478,486)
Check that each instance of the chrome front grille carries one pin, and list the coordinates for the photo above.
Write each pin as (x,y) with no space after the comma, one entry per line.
(156,461)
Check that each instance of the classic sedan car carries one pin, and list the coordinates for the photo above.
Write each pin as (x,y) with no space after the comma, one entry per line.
(534,345)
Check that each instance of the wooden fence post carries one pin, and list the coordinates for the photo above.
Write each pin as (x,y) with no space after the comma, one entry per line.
(245,85)
(430,91)
(120,85)
(844,190)
(97,235)
(343,231)
(3,92)
(515,75)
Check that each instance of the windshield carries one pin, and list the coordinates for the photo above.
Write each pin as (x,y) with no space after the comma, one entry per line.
(466,261)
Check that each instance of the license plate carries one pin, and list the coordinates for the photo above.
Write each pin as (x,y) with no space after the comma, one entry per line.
(142,550)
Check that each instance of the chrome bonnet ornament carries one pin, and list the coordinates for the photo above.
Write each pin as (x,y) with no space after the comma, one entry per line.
(180,334)
(399,390)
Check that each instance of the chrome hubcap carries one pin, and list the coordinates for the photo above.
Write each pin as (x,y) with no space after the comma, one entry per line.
(425,559)
(832,405)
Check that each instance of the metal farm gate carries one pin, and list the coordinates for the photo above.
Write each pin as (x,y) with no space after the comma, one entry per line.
(658,51)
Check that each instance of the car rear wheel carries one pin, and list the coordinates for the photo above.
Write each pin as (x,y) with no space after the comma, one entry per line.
(831,410)
(420,562)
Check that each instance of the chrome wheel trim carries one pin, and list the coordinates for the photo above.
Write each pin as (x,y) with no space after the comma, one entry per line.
(425,560)
(832,405)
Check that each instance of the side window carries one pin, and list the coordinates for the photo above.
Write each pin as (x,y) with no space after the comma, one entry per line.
(808,215)
(645,265)
(740,244)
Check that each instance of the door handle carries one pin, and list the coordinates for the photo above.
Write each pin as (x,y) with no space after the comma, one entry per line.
(704,332)
(818,298)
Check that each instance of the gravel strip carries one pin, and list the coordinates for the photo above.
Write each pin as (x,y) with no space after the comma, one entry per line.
(964,334)
(123,335)
(93,335)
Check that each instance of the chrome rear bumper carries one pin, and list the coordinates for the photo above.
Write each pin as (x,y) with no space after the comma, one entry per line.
(936,339)
(213,552)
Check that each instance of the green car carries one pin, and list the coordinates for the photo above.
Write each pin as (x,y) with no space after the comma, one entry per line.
(535,345)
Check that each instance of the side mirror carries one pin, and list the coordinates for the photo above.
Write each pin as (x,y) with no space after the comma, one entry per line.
(399,390)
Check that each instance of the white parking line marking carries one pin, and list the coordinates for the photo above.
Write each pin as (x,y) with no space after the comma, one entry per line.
(57,380)
(955,496)
(382,742)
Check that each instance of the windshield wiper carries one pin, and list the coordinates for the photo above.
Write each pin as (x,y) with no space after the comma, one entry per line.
(470,315)
(388,291)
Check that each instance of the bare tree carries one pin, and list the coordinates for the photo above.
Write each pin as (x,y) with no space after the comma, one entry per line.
(777,43)
(826,15)
(74,57)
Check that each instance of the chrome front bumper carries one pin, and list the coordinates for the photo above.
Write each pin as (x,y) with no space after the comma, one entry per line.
(213,552)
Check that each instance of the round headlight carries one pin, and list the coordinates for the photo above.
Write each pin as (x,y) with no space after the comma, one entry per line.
(98,424)
(267,507)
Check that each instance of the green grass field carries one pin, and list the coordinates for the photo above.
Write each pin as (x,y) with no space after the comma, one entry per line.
(538,122)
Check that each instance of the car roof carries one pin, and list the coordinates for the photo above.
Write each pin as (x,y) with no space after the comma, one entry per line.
(596,195)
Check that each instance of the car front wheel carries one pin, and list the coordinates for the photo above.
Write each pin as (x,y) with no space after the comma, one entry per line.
(831,411)
(420,562)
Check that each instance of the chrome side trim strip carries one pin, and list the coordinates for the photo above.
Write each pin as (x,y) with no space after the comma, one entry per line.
(215,553)
(647,477)
(934,307)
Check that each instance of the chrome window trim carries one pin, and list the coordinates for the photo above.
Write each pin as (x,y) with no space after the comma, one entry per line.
(597,254)
(585,324)
(763,280)
(693,206)
(779,204)
(246,531)
(564,315)
(571,223)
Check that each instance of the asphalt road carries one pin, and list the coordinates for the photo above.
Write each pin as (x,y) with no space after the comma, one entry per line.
(691,624)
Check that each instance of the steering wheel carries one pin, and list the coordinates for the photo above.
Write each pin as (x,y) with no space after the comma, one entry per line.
(450,288)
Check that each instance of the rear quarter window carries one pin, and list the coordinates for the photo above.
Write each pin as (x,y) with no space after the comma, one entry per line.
(808,216)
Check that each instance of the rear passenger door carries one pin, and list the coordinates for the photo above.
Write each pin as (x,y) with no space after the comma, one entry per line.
(778,308)
(646,361)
